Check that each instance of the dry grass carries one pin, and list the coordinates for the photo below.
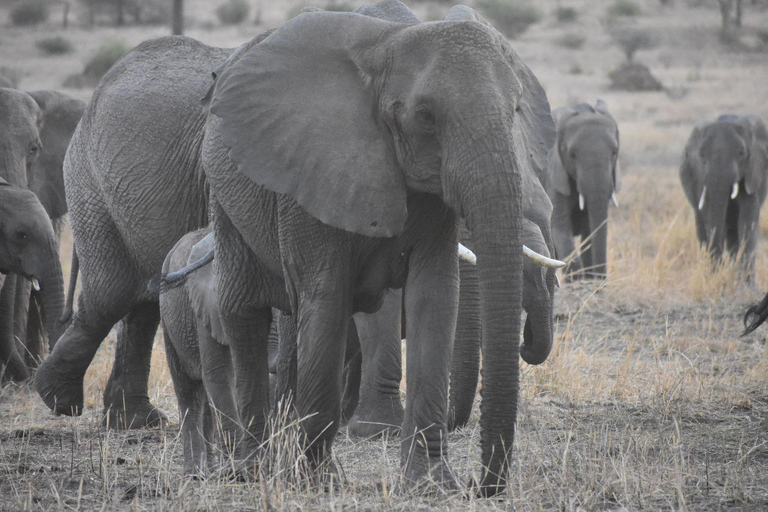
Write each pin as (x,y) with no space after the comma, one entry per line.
(649,400)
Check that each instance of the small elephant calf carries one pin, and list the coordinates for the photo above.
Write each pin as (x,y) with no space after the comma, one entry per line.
(197,350)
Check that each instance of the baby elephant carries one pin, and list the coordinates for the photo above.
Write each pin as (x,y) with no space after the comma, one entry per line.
(197,349)
(724,177)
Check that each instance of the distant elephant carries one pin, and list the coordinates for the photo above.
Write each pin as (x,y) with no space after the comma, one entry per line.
(35,129)
(724,177)
(29,249)
(313,218)
(582,179)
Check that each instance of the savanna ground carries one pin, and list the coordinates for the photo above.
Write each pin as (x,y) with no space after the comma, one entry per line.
(650,398)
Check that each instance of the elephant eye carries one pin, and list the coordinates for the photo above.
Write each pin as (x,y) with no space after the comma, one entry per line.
(425,119)
(33,150)
(573,155)
(21,235)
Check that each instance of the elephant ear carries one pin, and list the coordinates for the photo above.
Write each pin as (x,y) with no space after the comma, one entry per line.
(533,107)
(757,163)
(60,114)
(602,108)
(691,170)
(202,295)
(298,116)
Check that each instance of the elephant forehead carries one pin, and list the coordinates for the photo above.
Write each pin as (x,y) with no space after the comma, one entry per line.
(450,39)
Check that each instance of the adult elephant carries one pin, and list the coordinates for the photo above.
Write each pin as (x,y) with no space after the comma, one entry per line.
(29,249)
(34,133)
(420,124)
(582,179)
(724,177)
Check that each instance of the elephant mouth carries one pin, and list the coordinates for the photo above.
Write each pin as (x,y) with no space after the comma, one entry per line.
(32,279)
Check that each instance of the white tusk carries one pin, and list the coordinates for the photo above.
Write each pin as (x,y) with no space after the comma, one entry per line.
(467,255)
(581,202)
(735,190)
(557,281)
(541,259)
(36,285)
(614,200)
(701,200)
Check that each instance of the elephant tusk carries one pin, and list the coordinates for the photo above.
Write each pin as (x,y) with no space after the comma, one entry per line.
(36,285)
(701,199)
(581,202)
(735,190)
(542,260)
(614,200)
(557,281)
(467,255)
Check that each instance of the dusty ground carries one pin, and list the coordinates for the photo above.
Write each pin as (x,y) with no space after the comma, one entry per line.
(650,399)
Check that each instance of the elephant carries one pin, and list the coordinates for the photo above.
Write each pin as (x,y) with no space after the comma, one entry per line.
(28,248)
(34,136)
(296,236)
(723,174)
(582,178)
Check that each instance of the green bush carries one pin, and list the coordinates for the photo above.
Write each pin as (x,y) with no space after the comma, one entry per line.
(233,12)
(566,14)
(623,8)
(29,13)
(55,45)
(511,18)
(571,40)
(104,58)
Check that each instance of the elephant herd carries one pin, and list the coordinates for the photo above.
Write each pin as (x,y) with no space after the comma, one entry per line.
(290,210)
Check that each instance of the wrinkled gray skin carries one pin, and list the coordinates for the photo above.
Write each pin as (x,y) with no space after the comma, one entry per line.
(35,129)
(584,161)
(730,152)
(198,353)
(29,250)
(406,170)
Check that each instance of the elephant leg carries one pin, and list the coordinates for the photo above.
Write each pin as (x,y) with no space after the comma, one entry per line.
(748,228)
(285,388)
(379,410)
(465,361)
(562,235)
(217,378)
(191,397)
(12,365)
(701,229)
(353,362)
(126,399)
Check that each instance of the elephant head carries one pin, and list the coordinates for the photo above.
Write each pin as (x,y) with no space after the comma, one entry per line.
(583,166)
(722,160)
(29,248)
(348,114)
(34,134)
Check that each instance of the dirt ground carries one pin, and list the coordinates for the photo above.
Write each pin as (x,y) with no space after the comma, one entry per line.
(650,400)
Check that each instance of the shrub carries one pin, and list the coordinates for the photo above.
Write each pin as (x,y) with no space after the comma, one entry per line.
(571,40)
(762,36)
(575,70)
(623,8)
(631,40)
(55,45)
(511,18)
(29,13)
(104,58)
(233,12)
(566,14)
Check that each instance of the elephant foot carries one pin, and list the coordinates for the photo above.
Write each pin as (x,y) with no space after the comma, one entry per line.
(377,420)
(62,392)
(430,478)
(133,414)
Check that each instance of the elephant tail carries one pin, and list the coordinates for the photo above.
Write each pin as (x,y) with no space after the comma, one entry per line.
(66,315)
(161,283)
(757,314)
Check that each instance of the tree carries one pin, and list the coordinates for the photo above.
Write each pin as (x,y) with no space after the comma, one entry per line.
(730,13)
(178,17)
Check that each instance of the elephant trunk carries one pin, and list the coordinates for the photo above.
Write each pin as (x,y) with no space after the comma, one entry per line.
(598,227)
(492,204)
(52,294)
(538,332)
(716,198)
